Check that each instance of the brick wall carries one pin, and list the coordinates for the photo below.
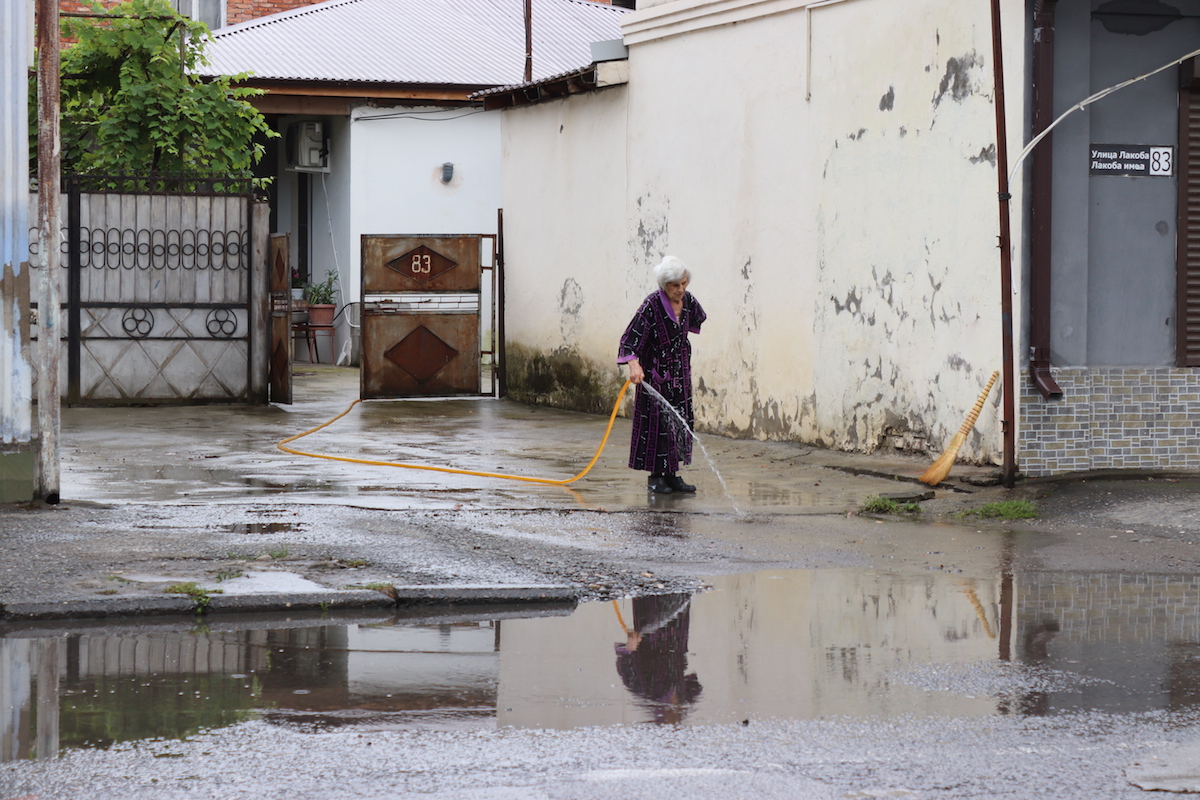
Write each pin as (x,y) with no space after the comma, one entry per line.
(235,10)
(1112,418)
(241,10)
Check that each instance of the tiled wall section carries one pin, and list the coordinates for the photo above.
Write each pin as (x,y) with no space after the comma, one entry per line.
(1112,608)
(1112,418)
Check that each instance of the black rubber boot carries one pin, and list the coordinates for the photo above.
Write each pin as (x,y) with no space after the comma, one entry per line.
(658,484)
(677,485)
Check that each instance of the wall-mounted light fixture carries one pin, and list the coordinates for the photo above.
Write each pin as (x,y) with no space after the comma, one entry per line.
(447,172)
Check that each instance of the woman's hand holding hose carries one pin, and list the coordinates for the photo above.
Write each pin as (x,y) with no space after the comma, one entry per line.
(636,373)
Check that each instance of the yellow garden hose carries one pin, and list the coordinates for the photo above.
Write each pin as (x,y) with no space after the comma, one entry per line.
(559,482)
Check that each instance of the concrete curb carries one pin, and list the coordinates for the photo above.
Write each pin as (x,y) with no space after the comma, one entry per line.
(306,601)
(350,599)
(484,595)
(100,607)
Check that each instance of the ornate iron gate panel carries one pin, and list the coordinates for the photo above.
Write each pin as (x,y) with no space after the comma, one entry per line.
(280,362)
(421,320)
(158,290)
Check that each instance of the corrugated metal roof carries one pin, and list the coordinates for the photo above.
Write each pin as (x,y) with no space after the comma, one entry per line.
(465,42)
(514,87)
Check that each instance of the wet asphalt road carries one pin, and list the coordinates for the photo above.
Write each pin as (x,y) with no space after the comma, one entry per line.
(186,494)
(189,494)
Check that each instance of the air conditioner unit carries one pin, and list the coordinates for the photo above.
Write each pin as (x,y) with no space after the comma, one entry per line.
(307,147)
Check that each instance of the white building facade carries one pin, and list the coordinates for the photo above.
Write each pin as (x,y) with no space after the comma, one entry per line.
(828,171)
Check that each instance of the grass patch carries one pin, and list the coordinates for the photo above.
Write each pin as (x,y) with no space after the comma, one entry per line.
(1006,509)
(379,586)
(875,504)
(228,575)
(279,552)
(195,591)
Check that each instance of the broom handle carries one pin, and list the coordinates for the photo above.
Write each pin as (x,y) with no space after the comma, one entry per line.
(970,421)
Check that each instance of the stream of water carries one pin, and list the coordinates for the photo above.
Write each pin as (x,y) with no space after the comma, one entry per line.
(678,423)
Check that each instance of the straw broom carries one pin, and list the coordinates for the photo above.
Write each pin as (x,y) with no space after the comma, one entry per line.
(939,469)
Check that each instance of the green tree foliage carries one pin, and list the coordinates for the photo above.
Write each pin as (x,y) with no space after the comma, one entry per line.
(132,103)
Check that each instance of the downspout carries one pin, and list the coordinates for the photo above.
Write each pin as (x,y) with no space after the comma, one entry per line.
(1041,168)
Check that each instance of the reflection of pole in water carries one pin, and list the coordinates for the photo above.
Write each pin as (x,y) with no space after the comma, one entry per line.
(1007,599)
(49,658)
(652,661)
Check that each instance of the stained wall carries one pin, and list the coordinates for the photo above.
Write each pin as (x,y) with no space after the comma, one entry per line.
(836,201)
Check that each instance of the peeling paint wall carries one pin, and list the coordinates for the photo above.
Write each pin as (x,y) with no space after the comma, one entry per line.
(16,366)
(843,245)
(566,239)
(907,297)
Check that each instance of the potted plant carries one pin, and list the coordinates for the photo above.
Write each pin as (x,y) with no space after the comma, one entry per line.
(320,299)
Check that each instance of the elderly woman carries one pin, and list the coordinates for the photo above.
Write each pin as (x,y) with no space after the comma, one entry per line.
(656,348)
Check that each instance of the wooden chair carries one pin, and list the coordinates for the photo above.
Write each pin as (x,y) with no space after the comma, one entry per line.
(303,326)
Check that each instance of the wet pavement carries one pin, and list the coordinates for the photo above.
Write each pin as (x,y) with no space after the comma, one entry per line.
(355,630)
(188,455)
(154,497)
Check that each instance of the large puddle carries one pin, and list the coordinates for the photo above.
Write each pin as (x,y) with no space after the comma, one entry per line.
(794,644)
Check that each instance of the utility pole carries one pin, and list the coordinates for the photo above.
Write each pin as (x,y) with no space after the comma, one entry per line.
(1006,302)
(528,40)
(49,309)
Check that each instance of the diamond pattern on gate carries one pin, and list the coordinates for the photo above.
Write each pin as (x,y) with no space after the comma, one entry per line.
(421,354)
(421,264)
(131,369)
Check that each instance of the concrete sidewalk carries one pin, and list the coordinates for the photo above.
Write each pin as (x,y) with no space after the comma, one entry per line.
(216,454)
(167,496)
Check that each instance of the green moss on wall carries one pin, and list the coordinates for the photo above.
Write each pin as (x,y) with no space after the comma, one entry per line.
(561,379)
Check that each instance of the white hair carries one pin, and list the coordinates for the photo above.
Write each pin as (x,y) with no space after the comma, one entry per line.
(670,270)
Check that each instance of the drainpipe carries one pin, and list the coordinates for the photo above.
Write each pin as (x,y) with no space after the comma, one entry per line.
(1041,169)
(1006,326)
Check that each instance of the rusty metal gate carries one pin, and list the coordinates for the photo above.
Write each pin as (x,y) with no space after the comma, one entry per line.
(424,316)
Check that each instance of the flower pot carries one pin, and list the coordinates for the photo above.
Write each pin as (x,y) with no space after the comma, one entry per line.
(321,314)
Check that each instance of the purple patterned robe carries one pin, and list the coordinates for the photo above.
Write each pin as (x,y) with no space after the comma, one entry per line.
(660,344)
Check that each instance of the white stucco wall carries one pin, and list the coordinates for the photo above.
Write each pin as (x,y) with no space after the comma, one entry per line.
(908,300)
(843,244)
(565,242)
(396,173)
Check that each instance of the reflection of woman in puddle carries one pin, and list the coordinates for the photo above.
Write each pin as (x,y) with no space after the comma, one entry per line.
(652,662)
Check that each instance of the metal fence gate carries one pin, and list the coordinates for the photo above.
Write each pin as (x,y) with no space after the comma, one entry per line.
(158,284)
(427,315)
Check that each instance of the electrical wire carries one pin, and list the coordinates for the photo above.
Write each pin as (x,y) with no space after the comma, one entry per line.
(1085,103)
(329,221)
(551,481)
(418,116)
